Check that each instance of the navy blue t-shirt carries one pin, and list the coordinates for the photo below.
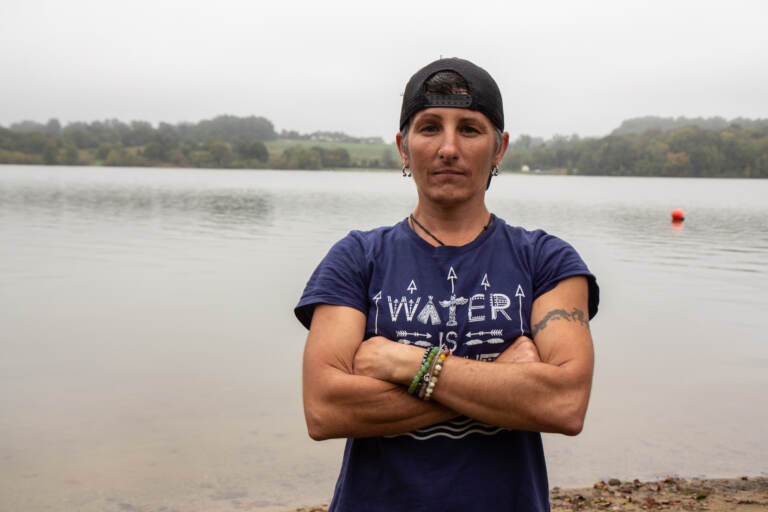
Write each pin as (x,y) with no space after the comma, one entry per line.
(476,299)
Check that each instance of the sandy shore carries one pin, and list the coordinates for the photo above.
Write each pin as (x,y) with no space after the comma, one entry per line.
(729,494)
(745,494)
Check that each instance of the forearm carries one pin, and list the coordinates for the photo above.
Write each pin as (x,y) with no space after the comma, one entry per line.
(340,403)
(516,391)
(540,387)
(535,396)
(359,406)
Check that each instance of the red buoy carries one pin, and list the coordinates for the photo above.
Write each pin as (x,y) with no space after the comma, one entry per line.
(678,215)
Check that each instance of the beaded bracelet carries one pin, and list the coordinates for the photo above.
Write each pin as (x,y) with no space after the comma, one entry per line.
(429,356)
(425,356)
(422,389)
(439,361)
(434,352)
(428,376)
(424,382)
(415,382)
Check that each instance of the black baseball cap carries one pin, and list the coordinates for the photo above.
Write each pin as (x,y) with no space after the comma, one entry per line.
(483,93)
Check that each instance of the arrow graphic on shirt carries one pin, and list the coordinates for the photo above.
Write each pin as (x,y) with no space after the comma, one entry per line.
(492,332)
(452,276)
(376,298)
(403,334)
(519,294)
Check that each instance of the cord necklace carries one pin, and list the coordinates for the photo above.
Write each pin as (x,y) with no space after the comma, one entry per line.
(413,219)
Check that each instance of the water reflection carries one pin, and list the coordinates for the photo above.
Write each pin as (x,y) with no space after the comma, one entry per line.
(150,351)
(221,207)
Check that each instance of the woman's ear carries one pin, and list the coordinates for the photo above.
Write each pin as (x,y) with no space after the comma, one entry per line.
(503,149)
(400,149)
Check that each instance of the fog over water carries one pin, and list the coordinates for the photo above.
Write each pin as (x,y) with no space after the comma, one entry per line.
(563,67)
(150,357)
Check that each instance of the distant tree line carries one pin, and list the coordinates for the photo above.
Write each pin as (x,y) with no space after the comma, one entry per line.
(329,137)
(665,124)
(226,141)
(222,142)
(648,146)
(316,157)
(653,147)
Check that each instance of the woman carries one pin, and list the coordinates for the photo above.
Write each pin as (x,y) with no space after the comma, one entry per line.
(442,346)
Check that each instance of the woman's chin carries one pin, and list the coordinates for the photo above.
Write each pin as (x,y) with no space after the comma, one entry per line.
(453,191)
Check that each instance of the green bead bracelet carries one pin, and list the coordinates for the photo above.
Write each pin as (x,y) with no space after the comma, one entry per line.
(430,353)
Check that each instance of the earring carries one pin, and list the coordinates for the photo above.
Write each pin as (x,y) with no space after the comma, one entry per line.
(495,170)
(406,172)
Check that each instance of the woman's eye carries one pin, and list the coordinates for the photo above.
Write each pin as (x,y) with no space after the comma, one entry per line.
(469,129)
(428,128)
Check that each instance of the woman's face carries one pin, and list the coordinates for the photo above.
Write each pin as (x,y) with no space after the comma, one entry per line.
(450,153)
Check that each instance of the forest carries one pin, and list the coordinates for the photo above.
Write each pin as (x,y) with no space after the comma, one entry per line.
(653,146)
(646,146)
(222,142)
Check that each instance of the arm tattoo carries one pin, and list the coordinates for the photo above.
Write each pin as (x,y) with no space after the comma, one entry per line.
(576,315)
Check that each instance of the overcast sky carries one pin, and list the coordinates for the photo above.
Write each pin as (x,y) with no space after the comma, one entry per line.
(563,66)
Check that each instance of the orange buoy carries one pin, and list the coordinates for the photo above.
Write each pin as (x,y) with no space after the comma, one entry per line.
(678,215)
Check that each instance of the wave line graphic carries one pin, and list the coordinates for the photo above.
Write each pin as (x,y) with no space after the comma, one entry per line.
(454,436)
(454,429)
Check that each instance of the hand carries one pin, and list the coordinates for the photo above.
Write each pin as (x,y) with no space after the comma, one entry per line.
(371,358)
(384,359)
(523,350)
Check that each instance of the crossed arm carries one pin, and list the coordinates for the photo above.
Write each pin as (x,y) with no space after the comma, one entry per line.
(358,389)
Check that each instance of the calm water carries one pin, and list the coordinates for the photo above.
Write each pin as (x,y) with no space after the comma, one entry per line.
(149,356)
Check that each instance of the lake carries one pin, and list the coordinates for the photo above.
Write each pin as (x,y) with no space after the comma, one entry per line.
(150,359)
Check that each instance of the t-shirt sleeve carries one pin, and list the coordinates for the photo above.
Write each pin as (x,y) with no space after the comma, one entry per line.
(555,260)
(341,279)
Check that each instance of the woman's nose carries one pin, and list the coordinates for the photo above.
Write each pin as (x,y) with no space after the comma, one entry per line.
(448,149)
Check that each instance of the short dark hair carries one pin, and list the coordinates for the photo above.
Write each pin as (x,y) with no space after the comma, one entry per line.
(446,82)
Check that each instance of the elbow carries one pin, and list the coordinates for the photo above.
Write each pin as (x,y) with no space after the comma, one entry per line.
(561,422)
(567,421)
(571,414)
(323,422)
(573,407)
(573,419)
(572,426)
(317,428)
(316,433)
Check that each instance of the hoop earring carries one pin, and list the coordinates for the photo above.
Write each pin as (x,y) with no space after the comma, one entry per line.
(495,170)
(406,171)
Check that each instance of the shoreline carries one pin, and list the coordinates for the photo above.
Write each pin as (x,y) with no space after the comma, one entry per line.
(744,493)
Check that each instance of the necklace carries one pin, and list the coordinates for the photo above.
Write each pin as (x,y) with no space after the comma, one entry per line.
(413,219)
